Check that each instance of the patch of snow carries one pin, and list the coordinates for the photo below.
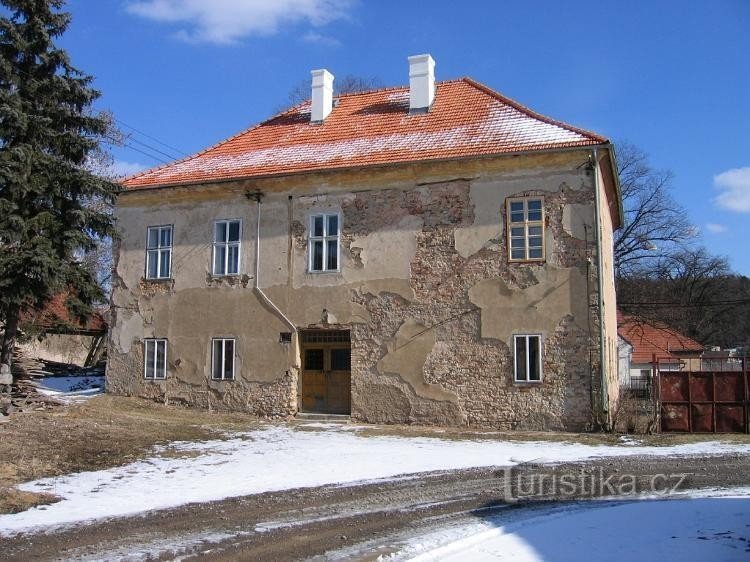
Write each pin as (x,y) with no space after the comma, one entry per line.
(628,440)
(71,389)
(280,457)
(695,529)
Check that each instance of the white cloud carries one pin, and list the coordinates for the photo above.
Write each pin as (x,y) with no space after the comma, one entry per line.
(121,168)
(317,38)
(716,228)
(735,189)
(227,21)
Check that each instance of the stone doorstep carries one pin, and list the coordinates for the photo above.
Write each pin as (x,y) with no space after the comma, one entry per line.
(334,418)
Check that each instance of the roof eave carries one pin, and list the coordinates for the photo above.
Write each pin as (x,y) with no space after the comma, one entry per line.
(552,150)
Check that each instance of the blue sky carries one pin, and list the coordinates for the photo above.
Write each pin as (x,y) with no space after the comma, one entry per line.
(671,76)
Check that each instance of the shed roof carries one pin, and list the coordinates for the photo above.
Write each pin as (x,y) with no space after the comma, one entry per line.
(55,317)
(652,338)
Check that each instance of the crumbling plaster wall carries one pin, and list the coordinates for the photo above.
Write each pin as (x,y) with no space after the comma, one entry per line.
(60,348)
(424,285)
(609,303)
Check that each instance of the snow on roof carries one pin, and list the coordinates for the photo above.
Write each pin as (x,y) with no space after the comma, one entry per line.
(372,128)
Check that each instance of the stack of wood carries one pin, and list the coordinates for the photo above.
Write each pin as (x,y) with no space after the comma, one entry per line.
(23,395)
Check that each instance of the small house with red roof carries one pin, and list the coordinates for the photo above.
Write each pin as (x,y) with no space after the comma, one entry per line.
(641,341)
(433,253)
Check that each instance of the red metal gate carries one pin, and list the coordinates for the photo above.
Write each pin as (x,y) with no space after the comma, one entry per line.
(703,401)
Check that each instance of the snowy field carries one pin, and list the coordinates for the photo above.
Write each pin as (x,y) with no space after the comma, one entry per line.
(711,526)
(281,457)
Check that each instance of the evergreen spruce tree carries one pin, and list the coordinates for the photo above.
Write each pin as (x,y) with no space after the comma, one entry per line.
(48,128)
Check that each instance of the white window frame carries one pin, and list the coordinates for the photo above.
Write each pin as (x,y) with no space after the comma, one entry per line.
(159,249)
(325,239)
(223,358)
(528,358)
(526,224)
(226,246)
(156,342)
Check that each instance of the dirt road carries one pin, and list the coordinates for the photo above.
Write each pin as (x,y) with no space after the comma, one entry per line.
(362,521)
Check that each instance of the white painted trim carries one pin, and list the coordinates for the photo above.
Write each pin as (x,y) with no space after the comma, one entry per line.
(224,357)
(528,362)
(226,245)
(158,250)
(325,239)
(156,342)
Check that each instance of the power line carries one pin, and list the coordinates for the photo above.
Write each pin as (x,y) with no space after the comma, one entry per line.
(115,142)
(152,138)
(171,157)
(122,143)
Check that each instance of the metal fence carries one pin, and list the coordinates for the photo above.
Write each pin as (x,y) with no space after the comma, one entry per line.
(705,396)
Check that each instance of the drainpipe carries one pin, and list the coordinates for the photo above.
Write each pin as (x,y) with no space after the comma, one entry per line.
(600,285)
(256,285)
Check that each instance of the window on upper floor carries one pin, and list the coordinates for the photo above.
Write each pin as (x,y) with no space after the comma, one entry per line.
(526,229)
(159,252)
(222,359)
(155,358)
(323,242)
(527,354)
(226,247)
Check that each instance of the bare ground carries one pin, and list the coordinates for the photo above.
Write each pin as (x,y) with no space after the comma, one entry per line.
(353,522)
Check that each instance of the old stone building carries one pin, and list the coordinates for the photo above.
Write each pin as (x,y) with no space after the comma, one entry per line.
(432,254)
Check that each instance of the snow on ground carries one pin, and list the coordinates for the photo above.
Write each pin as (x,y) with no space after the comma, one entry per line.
(280,457)
(71,389)
(697,528)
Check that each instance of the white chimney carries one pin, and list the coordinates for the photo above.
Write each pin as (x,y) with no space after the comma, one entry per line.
(421,82)
(322,95)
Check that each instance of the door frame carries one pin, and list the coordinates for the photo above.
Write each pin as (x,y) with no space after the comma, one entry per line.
(326,339)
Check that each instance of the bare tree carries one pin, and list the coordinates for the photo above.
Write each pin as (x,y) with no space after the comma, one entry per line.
(347,85)
(694,292)
(655,225)
(98,259)
(663,274)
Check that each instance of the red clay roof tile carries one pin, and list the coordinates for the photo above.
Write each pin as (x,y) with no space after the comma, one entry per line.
(650,339)
(55,316)
(374,128)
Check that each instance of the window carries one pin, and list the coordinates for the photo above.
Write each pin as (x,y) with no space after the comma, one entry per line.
(528,358)
(226,258)
(526,229)
(155,358)
(323,244)
(222,367)
(159,252)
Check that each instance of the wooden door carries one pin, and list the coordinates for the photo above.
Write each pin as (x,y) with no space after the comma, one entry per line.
(313,380)
(339,380)
(326,372)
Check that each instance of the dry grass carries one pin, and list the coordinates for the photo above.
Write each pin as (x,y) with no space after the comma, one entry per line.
(104,432)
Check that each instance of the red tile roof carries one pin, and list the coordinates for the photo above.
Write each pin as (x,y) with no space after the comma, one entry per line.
(374,128)
(648,339)
(55,316)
